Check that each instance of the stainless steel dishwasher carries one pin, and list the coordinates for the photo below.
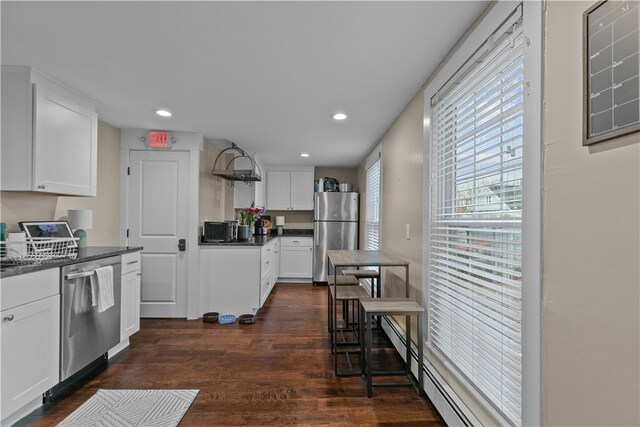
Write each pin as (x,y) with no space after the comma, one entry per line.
(86,335)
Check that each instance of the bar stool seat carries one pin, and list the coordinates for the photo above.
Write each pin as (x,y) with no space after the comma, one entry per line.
(374,275)
(389,306)
(348,293)
(348,280)
(362,274)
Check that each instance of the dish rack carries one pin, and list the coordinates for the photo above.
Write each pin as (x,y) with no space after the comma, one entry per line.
(38,250)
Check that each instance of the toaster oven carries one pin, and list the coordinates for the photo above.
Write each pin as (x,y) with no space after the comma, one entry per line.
(219,231)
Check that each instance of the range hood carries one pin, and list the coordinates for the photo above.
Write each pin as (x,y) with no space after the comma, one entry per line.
(243,175)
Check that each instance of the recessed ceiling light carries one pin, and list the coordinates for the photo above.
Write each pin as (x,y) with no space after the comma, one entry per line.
(163,113)
(339,116)
(304,154)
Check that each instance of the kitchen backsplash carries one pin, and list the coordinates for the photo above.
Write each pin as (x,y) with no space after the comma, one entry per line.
(292,219)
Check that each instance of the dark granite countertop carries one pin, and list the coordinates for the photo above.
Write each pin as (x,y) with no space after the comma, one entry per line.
(252,241)
(84,254)
(262,240)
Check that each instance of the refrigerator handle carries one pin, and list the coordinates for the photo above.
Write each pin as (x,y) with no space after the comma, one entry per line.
(315,233)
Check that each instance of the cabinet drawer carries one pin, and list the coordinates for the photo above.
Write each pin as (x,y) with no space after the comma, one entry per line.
(18,290)
(289,242)
(130,262)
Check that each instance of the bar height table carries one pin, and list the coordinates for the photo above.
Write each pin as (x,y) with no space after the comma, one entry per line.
(360,258)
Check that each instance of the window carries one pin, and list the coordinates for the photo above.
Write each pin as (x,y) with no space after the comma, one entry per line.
(372,219)
(475,220)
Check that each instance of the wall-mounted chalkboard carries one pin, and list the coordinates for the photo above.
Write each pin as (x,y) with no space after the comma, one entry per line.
(611,70)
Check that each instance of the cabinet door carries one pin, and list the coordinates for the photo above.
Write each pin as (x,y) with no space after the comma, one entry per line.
(276,260)
(278,191)
(30,338)
(130,305)
(296,262)
(302,190)
(64,143)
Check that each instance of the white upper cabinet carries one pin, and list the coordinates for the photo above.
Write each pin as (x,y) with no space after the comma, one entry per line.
(302,191)
(278,191)
(49,135)
(289,190)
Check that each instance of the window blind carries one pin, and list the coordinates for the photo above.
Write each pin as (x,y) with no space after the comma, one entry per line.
(474,284)
(372,218)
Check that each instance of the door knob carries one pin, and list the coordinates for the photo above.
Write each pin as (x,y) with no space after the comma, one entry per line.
(9,318)
(182,245)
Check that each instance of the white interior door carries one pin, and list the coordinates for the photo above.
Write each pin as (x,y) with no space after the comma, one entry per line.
(158,209)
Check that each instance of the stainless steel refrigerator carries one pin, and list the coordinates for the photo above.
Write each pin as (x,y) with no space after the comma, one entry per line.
(335,225)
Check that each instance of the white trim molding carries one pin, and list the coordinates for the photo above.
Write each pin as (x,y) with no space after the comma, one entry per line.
(130,140)
(441,393)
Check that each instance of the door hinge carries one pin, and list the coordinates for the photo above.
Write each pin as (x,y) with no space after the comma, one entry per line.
(127,233)
(128,170)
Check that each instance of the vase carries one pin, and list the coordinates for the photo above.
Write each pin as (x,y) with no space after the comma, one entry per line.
(243,232)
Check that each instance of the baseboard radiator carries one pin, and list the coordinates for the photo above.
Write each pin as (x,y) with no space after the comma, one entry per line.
(451,408)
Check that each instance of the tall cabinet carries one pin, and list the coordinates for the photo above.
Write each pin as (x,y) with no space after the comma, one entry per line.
(49,135)
(130,295)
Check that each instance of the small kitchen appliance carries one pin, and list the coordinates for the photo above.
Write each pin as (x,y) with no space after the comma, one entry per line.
(215,232)
(259,227)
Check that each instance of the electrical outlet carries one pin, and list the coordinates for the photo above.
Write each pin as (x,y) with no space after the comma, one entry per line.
(407,231)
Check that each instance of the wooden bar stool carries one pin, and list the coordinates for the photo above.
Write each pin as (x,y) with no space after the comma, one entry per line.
(344,293)
(389,306)
(338,281)
(374,275)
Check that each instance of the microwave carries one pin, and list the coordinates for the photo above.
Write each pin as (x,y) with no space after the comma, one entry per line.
(219,231)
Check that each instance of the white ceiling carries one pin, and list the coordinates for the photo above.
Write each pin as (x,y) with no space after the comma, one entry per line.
(263,74)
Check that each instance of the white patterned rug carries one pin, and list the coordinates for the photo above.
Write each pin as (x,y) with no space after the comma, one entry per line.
(153,408)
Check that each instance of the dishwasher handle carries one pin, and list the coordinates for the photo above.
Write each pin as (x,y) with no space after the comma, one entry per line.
(79,275)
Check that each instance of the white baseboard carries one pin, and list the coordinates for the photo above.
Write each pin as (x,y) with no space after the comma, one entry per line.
(283,280)
(119,347)
(22,412)
(450,407)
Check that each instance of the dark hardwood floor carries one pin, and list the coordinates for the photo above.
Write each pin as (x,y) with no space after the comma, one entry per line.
(275,372)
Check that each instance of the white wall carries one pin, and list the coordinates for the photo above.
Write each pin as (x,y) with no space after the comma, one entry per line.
(591,250)
(33,206)
(215,205)
(591,242)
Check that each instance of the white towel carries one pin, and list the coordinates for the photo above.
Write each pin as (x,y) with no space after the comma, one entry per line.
(102,288)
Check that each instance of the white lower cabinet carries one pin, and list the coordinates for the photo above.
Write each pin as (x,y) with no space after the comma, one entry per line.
(237,279)
(130,305)
(129,300)
(276,259)
(296,257)
(130,295)
(29,338)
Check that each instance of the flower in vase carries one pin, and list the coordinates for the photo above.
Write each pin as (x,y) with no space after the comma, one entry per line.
(250,214)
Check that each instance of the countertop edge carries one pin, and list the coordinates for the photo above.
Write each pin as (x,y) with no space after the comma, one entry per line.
(251,242)
(89,254)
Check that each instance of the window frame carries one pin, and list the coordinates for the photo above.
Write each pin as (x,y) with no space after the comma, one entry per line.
(375,157)
(531,195)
